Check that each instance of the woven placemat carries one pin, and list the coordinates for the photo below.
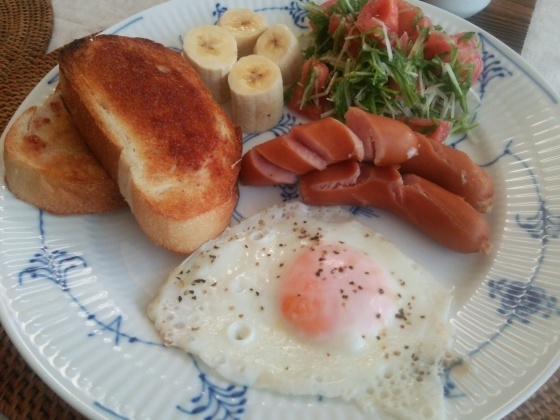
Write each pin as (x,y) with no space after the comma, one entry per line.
(25,31)
(502,15)
(25,27)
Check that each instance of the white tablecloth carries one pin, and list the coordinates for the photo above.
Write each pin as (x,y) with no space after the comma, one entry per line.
(77,18)
(541,48)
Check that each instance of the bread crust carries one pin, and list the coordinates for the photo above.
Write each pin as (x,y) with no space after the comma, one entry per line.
(48,164)
(148,118)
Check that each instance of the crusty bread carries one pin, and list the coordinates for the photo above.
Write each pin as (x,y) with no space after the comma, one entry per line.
(153,125)
(48,164)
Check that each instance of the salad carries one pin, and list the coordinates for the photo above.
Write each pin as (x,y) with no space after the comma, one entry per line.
(386,57)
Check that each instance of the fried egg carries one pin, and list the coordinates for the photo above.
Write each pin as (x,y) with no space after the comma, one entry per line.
(308,301)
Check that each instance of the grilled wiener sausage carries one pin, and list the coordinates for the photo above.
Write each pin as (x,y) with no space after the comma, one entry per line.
(440,214)
(453,170)
(289,154)
(386,141)
(330,139)
(256,170)
(373,186)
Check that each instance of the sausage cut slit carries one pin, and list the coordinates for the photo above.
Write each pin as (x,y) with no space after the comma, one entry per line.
(291,155)
(329,138)
(256,170)
(386,141)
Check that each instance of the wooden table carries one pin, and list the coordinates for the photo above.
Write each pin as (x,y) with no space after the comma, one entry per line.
(507,20)
(24,395)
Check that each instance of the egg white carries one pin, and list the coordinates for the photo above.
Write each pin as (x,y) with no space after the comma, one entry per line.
(221,305)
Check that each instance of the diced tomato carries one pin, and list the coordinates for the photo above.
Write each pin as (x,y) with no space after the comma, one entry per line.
(335,20)
(438,43)
(411,20)
(315,107)
(355,44)
(407,20)
(436,130)
(469,52)
(376,11)
(408,15)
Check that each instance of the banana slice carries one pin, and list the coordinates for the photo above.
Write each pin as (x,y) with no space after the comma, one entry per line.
(246,26)
(256,93)
(212,51)
(281,45)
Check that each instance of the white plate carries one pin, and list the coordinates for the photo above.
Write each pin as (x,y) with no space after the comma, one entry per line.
(74,290)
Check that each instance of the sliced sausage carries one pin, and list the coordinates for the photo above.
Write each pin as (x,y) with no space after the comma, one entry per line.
(453,170)
(291,155)
(440,214)
(330,139)
(258,171)
(386,141)
(374,186)
(338,175)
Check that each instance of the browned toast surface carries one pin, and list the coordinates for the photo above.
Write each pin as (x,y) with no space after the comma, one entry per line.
(49,165)
(151,122)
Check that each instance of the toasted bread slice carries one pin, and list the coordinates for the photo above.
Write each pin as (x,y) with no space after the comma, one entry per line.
(148,118)
(49,165)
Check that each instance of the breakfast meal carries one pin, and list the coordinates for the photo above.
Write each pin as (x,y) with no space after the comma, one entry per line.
(305,300)
(153,125)
(353,316)
(48,164)
(300,298)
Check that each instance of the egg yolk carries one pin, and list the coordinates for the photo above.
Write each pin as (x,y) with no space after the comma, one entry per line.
(327,291)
